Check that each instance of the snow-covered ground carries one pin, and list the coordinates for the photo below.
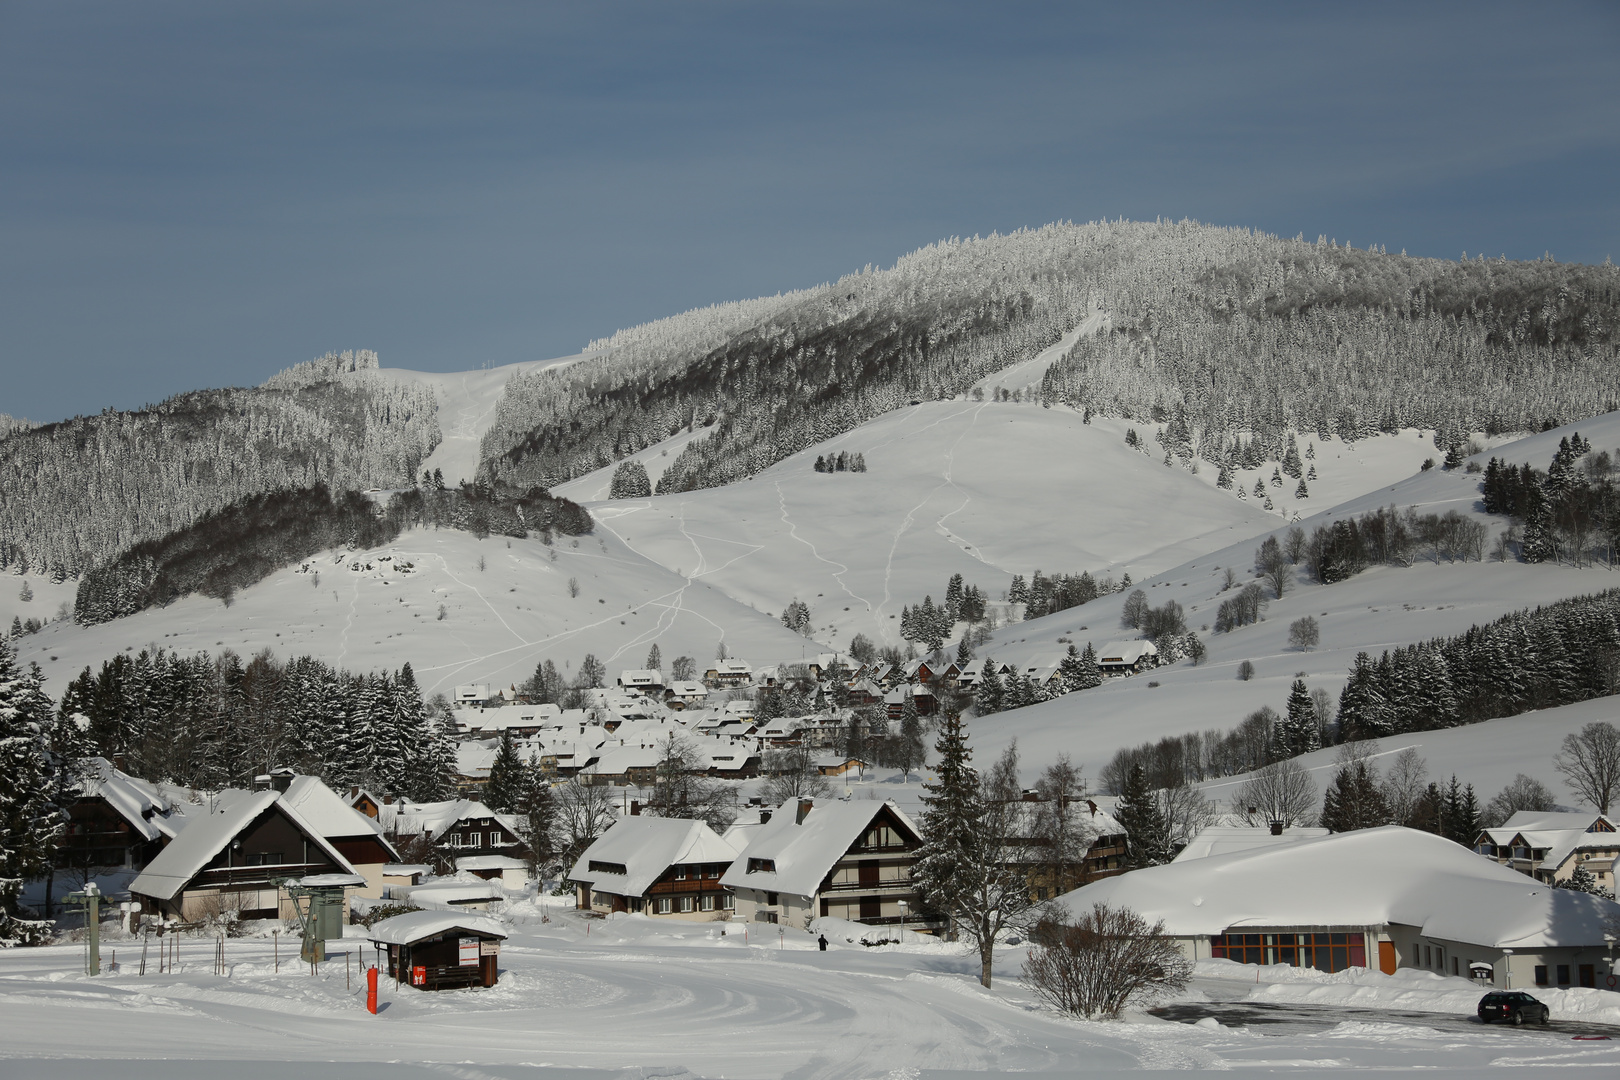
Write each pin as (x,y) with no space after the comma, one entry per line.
(498,622)
(645,999)
(1376,610)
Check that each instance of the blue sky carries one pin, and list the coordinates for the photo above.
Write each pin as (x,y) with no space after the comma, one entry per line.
(199,194)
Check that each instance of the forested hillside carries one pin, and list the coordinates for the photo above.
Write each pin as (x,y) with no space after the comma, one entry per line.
(75,493)
(1219,331)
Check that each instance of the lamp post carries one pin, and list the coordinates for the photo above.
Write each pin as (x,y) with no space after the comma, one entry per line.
(902,921)
(1507,969)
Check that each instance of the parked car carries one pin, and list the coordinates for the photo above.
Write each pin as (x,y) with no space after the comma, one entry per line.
(1513,1006)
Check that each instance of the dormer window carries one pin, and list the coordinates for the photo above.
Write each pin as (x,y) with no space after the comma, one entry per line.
(761,866)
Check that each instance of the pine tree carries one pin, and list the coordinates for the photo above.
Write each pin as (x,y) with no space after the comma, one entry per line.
(952,814)
(591,673)
(30,822)
(1297,734)
(432,774)
(630,481)
(1363,711)
(1147,834)
(1291,464)
(655,662)
(537,805)
(507,779)
(988,694)
(1354,801)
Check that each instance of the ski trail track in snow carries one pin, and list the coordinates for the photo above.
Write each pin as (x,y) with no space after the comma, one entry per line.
(838,575)
(950,456)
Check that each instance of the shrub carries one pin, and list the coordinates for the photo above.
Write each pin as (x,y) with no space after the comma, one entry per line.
(1110,958)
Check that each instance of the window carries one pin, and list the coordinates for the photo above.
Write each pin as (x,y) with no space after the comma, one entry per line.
(1563,974)
(475,840)
(686,904)
(265,858)
(728,902)
(708,901)
(770,898)
(680,873)
(762,866)
(765,916)
(1325,952)
(663,905)
(599,867)
(1428,956)
(1541,974)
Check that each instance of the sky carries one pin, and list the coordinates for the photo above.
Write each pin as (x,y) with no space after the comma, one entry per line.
(201,194)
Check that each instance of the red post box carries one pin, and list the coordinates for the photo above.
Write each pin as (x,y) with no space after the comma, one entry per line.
(371,990)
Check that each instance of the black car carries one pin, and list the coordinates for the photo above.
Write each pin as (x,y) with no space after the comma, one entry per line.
(1513,1006)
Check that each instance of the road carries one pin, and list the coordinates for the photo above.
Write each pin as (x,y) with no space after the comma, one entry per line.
(1293,1018)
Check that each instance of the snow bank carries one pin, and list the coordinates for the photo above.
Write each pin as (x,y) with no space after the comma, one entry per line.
(1409,989)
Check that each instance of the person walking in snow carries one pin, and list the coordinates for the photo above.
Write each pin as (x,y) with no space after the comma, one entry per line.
(822,941)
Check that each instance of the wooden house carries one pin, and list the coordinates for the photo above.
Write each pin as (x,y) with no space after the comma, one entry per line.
(661,867)
(730,673)
(1127,657)
(440,950)
(229,858)
(848,860)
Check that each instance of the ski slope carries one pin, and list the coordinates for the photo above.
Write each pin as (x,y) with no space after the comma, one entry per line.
(985,489)
(467,402)
(1378,609)
(635,998)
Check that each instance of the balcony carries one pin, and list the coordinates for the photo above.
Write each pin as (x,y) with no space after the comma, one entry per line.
(886,887)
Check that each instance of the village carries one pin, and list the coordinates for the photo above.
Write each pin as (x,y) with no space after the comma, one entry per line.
(435,887)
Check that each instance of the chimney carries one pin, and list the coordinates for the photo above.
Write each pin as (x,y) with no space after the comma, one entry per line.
(805,806)
(764,817)
(1276,828)
(281,779)
(635,807)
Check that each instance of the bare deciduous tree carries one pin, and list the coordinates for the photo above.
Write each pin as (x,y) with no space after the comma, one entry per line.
(1522,793)
(792,774)
(682,787)
(1107,959)
(1403,785)
(1282,791)
(584,811)
(1590,762)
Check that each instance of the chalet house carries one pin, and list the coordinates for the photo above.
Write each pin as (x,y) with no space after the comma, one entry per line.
(864,692)
(848,860)
(1127,657)
(472,696)
(950,673)
(918,672)
(626,766)
(730,674)
(662,867)
(116,822)
(783,731)
(509,873)
(733,763)
(229,859)
(460,827)
(839,764)
(358,838)
(641,681)
(684,693)
(1551,846)
(922,697)
(1104,855)
(1388,897)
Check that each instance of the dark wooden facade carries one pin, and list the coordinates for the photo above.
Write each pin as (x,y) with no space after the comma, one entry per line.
(440,961)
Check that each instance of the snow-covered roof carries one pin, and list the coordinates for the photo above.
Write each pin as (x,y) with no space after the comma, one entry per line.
(646,847)
(132,801)
(688,688)
(1551,821)
(1369,877)
(416,925)
(206,835)
(803,852)
(456,892)
(641,677)
(436,818)
(328,814)
(1126,652)
(1225,839)
(490,862)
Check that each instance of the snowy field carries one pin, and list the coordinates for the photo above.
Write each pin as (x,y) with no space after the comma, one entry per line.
(1378,609)
(499,621)
(636,999)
